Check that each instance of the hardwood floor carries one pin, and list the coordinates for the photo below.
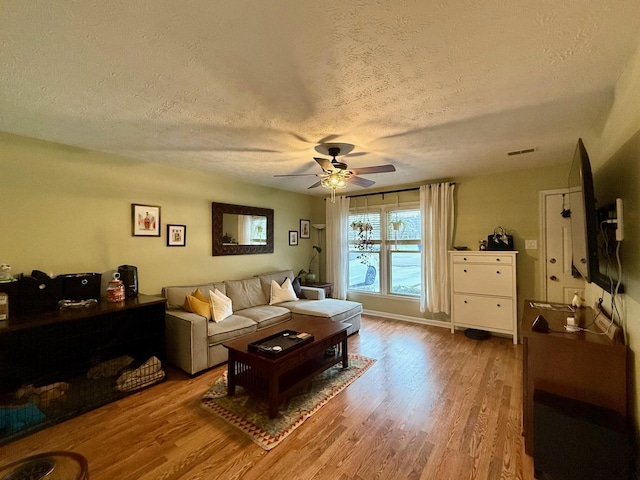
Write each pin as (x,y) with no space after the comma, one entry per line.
(433,406)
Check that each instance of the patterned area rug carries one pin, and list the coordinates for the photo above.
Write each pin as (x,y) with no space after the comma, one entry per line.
(250,413)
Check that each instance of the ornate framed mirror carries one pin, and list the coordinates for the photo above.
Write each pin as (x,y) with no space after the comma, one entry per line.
(241,230)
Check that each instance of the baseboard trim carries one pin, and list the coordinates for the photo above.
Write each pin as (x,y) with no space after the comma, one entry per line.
(407,318)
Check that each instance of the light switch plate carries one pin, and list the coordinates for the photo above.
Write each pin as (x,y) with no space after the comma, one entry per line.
(531,244)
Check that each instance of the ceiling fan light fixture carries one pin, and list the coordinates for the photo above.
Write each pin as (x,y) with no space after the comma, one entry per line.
(334,181)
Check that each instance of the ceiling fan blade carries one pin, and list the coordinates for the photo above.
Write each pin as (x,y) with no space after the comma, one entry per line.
(325,164)
(362,182)
(374,169)
(298,175)
(317,184)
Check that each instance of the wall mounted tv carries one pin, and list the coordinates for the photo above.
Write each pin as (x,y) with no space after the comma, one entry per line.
(584,220)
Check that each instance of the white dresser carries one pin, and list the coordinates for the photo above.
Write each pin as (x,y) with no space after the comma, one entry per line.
(483,291)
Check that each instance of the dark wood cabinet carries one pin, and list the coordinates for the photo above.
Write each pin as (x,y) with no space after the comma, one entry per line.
(327,287)
(583,366)
(38,350)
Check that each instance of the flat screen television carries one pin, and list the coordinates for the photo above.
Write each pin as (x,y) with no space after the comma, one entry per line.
(584,220)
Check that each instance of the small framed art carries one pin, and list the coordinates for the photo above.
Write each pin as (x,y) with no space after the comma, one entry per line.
(145,220)
(176,235)
(305,228)
(293,237)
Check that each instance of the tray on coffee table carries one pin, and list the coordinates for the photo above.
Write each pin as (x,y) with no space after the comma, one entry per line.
(280,343)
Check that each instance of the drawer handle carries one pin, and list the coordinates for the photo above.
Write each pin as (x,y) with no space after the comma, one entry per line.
(465,270)
(465,301)
(498,272)
(465,259)
(84,281)
(498,305)
(497,259)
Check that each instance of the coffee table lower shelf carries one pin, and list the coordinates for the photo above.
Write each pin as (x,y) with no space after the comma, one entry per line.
(279,377)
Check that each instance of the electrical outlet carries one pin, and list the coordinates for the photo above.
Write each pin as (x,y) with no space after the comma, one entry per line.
(531,244)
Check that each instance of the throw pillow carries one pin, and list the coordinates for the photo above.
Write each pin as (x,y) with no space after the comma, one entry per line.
(193,305)
(200,296)
(284,293)
(221,306)
(297,287)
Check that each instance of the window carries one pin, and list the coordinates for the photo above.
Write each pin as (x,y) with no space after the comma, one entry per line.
(364,251)
(403,245)
(384,251)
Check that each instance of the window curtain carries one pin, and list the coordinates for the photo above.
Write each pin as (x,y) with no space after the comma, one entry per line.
(337,216)
(244,229)
(438,214)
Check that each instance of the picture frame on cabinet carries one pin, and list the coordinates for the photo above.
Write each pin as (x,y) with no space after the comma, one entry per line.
(145,220)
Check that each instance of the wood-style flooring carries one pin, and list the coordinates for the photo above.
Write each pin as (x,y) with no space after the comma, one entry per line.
(433,406)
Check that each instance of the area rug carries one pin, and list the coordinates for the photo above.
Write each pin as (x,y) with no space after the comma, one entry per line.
(250,413)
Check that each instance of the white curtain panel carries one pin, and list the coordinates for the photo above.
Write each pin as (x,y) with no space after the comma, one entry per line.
(337,215)
(438,213)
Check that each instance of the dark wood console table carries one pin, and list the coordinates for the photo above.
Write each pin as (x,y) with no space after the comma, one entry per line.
(580,366)
(327,287)
(61,346)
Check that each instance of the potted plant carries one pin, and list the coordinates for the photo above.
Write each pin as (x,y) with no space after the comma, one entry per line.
(397,225)
(309,275)
(363,242)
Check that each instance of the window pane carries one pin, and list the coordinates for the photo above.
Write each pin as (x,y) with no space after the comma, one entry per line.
(364,275)
(364,251)
(403,224)
(405,273)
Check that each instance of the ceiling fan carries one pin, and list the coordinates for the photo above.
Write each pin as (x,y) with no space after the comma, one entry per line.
(337,174)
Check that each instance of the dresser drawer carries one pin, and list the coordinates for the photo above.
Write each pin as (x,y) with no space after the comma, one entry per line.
(482,258)
(483,312)
(483,279)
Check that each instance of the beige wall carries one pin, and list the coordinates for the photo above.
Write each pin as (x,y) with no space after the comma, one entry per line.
(615,159)
(510,200)
(67,210)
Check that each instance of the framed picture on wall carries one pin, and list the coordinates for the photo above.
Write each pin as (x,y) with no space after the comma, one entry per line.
(145,220)
(176,235)
(293,237)
(305,228)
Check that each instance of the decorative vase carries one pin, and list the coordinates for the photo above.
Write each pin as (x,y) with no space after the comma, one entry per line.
(310,277)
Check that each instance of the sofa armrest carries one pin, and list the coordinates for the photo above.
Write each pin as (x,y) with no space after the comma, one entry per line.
(186,340)
(313,293)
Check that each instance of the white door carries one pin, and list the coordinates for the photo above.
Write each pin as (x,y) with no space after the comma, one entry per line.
(559,284)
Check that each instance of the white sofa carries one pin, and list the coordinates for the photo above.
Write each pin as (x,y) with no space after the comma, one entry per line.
(194,343)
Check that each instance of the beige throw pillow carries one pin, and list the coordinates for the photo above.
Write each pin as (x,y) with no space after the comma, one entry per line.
(282,293)
(221,306)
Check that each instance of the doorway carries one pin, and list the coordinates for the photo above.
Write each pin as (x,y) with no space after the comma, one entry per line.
(558,283)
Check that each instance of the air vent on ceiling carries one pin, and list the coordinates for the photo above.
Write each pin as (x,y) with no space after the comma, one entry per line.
(520,152)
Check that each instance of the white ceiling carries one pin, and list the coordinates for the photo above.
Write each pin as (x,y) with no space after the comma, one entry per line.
(440,89)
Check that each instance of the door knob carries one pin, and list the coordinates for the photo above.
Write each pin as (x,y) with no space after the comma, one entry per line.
(553,260)
(553,277)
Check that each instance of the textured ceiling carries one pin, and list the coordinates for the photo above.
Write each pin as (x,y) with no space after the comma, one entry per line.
(440,89)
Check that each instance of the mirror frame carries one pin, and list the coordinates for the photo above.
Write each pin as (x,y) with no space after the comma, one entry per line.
(219,248)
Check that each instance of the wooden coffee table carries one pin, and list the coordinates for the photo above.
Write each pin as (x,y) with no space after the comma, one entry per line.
(279,375)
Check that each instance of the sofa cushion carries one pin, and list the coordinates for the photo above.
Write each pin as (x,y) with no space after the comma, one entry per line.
(282,293)
(220,305)
(338,310)
(266,315)
(297,287)
(176,295)
(279,276)
(245,293)
(232,327)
